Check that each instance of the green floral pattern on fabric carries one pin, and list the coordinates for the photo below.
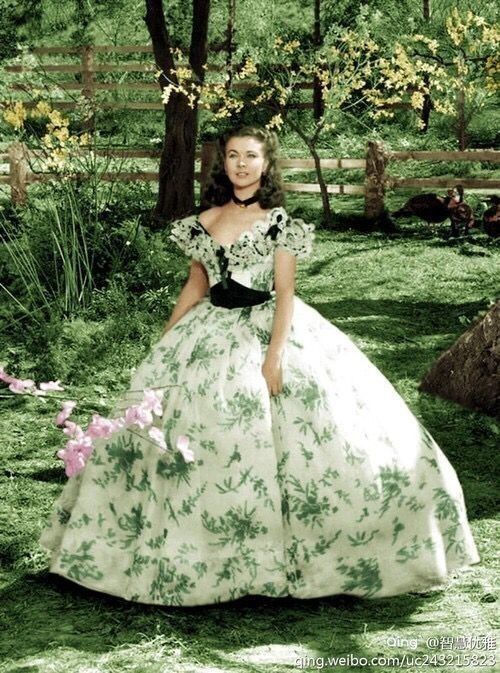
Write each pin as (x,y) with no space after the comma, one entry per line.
(332,486)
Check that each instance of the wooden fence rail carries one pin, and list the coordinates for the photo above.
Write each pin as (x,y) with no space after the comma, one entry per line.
(20,161)
(88,67)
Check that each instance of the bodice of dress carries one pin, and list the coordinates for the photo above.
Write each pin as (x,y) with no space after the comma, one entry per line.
(249,261)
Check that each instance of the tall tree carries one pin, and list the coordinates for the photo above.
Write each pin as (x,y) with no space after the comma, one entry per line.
(176,173)
(319,108)
(426,107)
(231,17)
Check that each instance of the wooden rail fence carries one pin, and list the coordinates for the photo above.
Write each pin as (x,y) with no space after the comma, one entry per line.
(88,68)
(377,181)
(88,84)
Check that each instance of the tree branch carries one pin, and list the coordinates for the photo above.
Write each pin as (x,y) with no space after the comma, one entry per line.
(162,44)
(199,38)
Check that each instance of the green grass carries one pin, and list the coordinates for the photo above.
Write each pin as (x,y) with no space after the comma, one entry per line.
(403,299)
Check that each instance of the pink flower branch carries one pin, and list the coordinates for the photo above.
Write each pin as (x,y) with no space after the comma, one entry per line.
(81,442)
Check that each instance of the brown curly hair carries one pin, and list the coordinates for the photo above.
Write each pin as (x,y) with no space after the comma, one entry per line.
(219,188)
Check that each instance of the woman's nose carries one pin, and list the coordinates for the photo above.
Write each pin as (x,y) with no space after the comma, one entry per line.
(241,162)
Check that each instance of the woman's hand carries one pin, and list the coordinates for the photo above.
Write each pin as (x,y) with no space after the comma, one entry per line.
(273,374)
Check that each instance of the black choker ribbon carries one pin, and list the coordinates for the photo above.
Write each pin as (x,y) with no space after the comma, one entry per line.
(243,203)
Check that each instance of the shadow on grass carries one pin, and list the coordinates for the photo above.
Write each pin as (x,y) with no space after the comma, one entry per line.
(459,431)
(54,475)
(47,611)
(469,440)
(418,318)
(375,240)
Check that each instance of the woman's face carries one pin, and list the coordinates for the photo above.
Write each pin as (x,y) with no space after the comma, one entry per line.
(245,161)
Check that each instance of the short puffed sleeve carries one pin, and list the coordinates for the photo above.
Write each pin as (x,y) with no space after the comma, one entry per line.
(185,233)
(295,236)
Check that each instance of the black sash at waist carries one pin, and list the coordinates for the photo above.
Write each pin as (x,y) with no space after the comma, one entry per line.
(235,295)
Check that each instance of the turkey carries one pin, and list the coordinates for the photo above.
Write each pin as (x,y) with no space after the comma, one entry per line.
(433,209)
(491,217)
(460,213)
(428,207)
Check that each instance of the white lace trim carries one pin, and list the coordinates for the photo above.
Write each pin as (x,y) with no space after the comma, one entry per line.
(296,236)
(252,246)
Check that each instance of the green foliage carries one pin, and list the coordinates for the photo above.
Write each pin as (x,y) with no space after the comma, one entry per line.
(64,253)
(484,129)
(15,14)
(401,299)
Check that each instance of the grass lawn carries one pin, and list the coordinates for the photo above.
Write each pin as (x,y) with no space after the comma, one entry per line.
(403,299)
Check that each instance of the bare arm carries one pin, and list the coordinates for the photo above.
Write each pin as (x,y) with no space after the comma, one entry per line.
(284,283)
(194,289)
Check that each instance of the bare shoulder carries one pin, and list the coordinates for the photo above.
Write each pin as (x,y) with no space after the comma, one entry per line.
(208,217)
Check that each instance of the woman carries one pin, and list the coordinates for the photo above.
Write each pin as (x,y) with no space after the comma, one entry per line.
(311,475)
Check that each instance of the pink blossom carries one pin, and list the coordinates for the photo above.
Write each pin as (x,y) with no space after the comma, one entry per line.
(77,450)
(21,386)
(27,385)
(7,378)
(100,427)
(144,417)
(74,461)
(65,412)
(51,385)
(17,385)
(72,429)
(138,415)
(182,445)
(82,445)
(118,423)
(157,435)
(130,415)
(152,400)
(41,391)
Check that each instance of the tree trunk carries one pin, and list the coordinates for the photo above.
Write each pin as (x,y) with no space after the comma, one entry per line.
(318,109)
(325,199)
(469,371)
(208,153)
(231,17)
(176,196)
(427,106)
(318,104)
(461,121)
(176,173)
(327,210)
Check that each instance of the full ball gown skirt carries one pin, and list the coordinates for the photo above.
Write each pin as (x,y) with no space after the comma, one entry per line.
(330,487)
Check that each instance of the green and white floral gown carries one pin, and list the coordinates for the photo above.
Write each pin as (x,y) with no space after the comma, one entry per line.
(330,487)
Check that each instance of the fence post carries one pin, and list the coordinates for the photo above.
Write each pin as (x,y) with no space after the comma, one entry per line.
(88,84)
(19,170)
(207,156)
(376,162)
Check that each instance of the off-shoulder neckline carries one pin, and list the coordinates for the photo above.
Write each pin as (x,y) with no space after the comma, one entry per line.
(251,229)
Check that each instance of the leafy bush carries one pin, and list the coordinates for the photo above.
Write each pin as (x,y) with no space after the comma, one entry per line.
(66,243)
